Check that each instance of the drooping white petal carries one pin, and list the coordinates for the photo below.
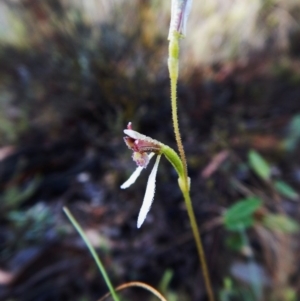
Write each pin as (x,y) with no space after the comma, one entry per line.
(132,178)
(135,175)
(149,195)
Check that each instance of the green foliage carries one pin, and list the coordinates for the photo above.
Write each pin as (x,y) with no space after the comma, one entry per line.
(227,291)
(280,222)
(235,242)
(234,291)
(259,165)
(14,196)
(286,190)
(290,294)
(164,286)
(240,215)
(33,223)
(293,137)
(165,281)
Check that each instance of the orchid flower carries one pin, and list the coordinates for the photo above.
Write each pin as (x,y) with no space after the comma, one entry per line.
(144,148)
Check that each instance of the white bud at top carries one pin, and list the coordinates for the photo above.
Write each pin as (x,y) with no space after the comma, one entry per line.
(180,11)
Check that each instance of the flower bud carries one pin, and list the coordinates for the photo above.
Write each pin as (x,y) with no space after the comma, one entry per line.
(180,11)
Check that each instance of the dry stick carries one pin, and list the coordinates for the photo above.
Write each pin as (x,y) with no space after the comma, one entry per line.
(173,70)
(137,284)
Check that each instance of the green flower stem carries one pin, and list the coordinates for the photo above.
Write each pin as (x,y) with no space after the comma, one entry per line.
(93,252)
(200,249)
(173,158)
(183,175)
(173,71)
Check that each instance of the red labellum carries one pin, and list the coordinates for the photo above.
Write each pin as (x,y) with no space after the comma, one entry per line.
(140,145)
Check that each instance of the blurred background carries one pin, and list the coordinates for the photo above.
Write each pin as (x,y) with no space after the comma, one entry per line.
(73,73)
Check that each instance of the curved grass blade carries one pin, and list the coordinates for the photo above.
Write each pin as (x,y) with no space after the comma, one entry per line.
(93,252)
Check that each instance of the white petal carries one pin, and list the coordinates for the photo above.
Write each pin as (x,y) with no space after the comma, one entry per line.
(180,11)
(187,10)
(135,175)
(132,178)
(134,134)
(149,195)
(172,20)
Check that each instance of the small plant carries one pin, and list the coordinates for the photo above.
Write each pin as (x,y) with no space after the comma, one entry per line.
(145,147)
(236,219)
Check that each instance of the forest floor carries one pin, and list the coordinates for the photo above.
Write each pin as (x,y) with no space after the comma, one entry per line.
(64,108)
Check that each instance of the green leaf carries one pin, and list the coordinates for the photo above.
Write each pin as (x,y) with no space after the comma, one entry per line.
(165,281)
(286,190)
(281,223)
(240,215)
(259,165)
(293,135)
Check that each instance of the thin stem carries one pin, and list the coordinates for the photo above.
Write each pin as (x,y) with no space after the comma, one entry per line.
(200,249)
(184,181)
(93,252)
(173,71)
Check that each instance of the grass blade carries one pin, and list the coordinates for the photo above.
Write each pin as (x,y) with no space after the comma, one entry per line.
(93,252)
